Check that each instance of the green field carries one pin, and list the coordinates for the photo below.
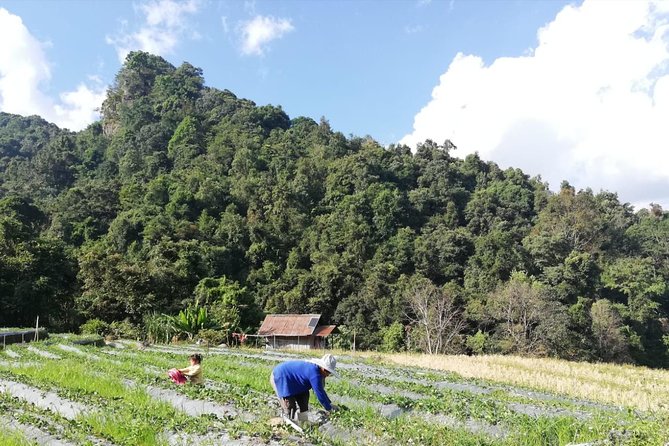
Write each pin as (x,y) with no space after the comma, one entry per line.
(56,393)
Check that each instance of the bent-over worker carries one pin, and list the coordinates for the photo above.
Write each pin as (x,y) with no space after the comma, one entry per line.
(292,380)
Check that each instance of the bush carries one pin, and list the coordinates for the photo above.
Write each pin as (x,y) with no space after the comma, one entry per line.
(393,338)
(212,337)
(343,340)
(477,343)
(95,327)
(125,329)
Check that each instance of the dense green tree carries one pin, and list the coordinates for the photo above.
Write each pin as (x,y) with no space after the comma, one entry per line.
(36,271)
(230,306)
(184,190)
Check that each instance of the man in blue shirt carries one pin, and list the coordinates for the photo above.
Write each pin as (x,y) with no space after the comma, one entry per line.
(292,380)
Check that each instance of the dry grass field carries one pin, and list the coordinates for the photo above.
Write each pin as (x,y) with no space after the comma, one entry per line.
(621,385)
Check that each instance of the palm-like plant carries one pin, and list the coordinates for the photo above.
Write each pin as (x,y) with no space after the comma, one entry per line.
(191,320)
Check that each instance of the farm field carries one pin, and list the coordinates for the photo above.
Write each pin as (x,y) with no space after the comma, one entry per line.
(59,394)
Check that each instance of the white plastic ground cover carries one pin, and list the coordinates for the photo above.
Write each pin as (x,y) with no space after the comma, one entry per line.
(385,390)
(42,353)
(521,408)
(214,439)
(392,375)
(193,407)
(78,351)
(449,385)
(44,400)
(17,364)
(355,436)
(471,425)
(33,433)
(220,351)
(398,375)
(537,411)
(12,354)
(389,411)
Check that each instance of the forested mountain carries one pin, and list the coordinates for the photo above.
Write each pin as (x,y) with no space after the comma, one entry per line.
(184,196)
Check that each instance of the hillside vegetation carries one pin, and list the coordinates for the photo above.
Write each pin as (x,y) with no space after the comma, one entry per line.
(186,198)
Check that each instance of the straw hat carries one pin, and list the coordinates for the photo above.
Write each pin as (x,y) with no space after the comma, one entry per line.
(327,362)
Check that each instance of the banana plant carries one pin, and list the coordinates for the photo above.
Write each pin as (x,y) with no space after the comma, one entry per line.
(191,320)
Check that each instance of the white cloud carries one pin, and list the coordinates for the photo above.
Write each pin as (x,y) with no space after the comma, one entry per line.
(25,74)
(165,25)
(80,107)
(413,29)
(589,104)
(259,31)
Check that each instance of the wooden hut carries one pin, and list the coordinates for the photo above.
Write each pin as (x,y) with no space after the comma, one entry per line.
(295,331)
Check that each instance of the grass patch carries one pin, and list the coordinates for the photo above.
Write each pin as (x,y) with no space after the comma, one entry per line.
(621,385)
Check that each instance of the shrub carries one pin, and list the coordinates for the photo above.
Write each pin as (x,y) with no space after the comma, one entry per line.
(96,327)
(212,337)
(125,329)
(343,339)
(478,343)
(393,338)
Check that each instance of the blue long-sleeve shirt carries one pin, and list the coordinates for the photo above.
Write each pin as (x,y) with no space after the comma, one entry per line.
(294,377)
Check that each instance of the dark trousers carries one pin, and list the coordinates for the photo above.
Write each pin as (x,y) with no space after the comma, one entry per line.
(291,403)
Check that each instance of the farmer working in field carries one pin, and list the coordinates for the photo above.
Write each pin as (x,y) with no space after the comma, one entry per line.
(292,380)
(192,372)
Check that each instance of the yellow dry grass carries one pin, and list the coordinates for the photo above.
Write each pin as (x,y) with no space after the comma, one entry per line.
(622,385)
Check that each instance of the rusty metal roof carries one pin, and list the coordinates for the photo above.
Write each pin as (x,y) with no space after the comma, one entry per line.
(289,324)
(324,330)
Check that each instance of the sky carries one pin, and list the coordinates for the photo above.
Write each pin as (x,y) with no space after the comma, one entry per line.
(575,91)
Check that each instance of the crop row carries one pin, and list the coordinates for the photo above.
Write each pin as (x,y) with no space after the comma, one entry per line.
(130,401)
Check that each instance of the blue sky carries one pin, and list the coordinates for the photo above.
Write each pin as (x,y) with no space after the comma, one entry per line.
(367,66)
(569,90)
